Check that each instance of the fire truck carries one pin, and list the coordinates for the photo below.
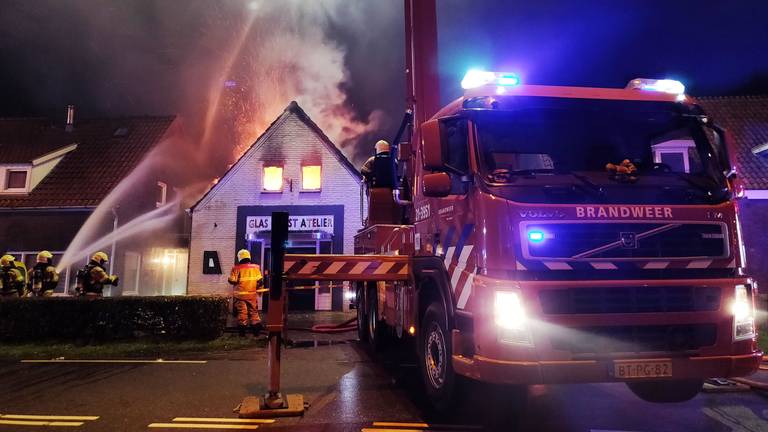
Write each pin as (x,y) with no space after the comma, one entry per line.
(530,234)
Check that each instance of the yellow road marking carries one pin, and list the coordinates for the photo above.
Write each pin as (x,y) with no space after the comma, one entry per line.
(203,426)
(39,423)
(392,430)
(158,361)
(426,425)
(47,417)
(222,420)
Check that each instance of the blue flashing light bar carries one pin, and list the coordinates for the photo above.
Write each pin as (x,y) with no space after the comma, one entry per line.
(657,85)
(536,236)
(477,78)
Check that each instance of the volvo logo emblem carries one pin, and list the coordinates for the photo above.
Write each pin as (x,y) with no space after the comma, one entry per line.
(628,240)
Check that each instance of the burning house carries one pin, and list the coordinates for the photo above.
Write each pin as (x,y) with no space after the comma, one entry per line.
(293,166)
(77,188)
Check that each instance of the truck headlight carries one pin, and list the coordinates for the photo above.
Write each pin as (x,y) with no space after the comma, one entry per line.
(510,318)
(743,312)
(508,311)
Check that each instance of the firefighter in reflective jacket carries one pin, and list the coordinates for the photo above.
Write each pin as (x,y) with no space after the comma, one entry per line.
(43,277)
(246,278)
(13,281)
(92,278)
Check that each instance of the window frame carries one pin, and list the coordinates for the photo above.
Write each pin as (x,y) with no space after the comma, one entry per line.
(6,172)
(163,194)
(264,177)
(320,185)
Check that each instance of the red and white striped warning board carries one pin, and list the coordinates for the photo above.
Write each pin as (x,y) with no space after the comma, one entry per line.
(346,267)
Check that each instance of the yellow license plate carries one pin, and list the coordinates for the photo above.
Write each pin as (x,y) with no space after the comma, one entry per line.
(642,369)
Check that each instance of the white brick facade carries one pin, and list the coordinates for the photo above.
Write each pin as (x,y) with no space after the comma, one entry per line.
(291,141)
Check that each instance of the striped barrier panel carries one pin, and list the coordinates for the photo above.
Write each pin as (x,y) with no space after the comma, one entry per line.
(346,267)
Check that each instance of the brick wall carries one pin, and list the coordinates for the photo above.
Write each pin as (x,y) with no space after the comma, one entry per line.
(290,142)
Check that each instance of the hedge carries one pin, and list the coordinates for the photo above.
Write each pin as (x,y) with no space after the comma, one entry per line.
(109,319)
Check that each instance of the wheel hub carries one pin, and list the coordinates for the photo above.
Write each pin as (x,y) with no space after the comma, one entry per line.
(435,356)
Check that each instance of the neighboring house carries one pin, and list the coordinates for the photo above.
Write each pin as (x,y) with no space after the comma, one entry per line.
(52,178)
(746,119)
(292,167)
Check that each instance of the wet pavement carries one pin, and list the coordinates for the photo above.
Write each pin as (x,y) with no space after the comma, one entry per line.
(347,388)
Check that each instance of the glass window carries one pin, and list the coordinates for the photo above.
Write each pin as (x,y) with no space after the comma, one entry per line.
(16,179)
(273,178)
(162,194)
(310,177)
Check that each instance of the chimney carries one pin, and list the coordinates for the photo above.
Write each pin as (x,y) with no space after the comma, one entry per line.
(70,118)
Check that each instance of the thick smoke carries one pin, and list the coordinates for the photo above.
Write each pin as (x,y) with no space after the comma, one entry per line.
(226,67)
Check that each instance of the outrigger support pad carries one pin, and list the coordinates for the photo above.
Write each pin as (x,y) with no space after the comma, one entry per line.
(273,404)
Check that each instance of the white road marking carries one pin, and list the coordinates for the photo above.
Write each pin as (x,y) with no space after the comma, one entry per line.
(738,418)
(158,361)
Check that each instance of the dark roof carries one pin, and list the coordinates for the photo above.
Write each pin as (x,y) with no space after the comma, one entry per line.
(86,175)
(746,118)
(292,108)
(25,139)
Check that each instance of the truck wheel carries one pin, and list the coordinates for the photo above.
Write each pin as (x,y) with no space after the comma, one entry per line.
(666,391)
(376,331)
(435,358)
(362,332)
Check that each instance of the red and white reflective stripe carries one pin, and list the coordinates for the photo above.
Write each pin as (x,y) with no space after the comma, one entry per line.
(656,265)
(346,267)
(604,266)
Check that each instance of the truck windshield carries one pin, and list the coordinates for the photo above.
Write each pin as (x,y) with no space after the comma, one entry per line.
(600,148)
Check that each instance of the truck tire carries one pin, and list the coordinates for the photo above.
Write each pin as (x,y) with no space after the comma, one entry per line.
(362,333)
(666,391)
(375,327)
(435,354)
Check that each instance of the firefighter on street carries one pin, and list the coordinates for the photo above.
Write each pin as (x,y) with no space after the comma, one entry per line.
(92,278)
(246,278)
(13,277)
(43,277)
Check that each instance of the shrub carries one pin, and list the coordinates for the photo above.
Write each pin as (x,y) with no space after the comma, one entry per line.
(118,318)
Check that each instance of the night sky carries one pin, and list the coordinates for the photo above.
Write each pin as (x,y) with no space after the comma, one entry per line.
(159,57)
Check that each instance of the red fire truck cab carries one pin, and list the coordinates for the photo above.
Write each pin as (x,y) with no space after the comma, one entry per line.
(556,235)
(562,235)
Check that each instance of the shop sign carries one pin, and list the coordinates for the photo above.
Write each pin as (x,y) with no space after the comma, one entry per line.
(256,224)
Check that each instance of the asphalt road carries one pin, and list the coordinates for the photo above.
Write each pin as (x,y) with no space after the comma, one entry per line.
(347,390)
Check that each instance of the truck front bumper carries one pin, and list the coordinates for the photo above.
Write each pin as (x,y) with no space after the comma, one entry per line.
(601,370)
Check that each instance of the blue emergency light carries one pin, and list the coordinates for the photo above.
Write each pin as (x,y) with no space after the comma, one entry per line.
(535,236)
(477,78)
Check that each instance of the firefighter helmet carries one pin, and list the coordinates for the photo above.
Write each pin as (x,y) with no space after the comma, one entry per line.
(381,146)
(243,254)
(44,256)
(100,257)
(6,260)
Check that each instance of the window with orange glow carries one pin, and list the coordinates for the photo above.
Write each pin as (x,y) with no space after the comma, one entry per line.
(273,178)
(310,177)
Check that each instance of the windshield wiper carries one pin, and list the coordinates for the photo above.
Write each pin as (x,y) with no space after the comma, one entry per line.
(502,176)
(707,190)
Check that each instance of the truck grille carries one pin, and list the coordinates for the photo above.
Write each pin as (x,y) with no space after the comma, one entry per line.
(630,300)
(627,240)
(620,339)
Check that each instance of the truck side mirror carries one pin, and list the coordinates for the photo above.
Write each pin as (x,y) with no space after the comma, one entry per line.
(432,146)
(437,185)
